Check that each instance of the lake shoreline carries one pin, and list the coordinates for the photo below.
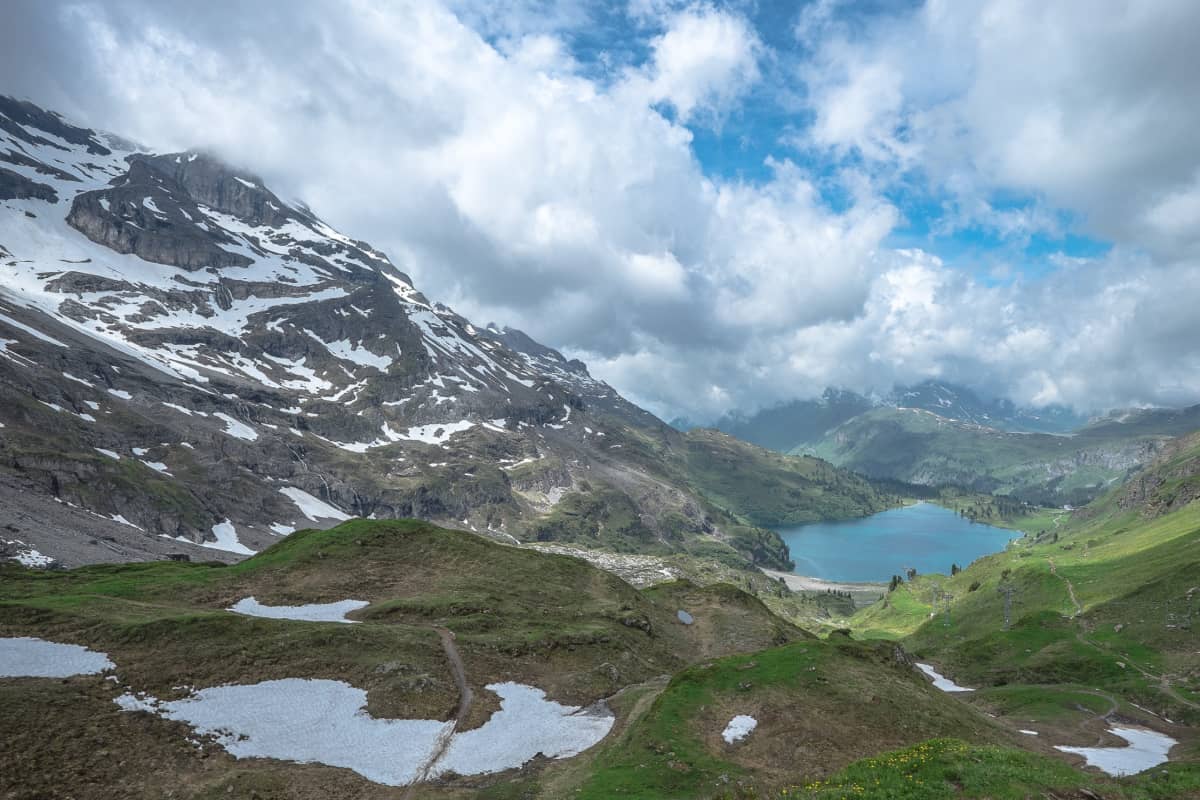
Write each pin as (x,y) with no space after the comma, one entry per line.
(809,583)
(860,554)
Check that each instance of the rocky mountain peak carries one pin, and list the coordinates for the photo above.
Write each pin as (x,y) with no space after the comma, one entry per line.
(185,355)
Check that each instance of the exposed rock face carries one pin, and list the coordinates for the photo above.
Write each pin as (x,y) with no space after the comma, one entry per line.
(22,121)
(185,355)
(211,183)
(14,186)
(1169,482)
(152,217)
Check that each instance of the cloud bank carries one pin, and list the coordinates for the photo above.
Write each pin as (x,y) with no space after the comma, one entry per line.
(537,166)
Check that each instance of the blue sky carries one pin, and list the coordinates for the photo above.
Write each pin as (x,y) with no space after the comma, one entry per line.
(771,118)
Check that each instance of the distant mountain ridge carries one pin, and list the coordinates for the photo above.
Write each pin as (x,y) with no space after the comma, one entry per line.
(789,426)
(935,433)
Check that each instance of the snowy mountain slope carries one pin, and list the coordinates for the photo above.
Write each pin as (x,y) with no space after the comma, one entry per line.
(188,361)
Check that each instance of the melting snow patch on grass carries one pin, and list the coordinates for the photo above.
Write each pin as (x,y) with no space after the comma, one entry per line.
(1146,749)
(326,722)
(29,657)
(312,612)
(310,721)
(942,682)
(739,728)
(526,724)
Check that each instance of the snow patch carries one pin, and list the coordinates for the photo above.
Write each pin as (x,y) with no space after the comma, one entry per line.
(303,720)
(183,410)
(356,353)
(313,507)
(71,377)
(26,555)
(236,428)
(29,657)
(436,433)
(312,612)
(326,722)
(940,681)
(1146,749)
(227,540)
(739,728)
(526,724)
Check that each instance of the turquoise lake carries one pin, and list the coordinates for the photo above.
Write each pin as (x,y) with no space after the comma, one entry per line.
(927,537)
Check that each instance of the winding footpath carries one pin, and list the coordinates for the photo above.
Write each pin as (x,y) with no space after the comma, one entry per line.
(1164,680)
(1070,588)
(466,696)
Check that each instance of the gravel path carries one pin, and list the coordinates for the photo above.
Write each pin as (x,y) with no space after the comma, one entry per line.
(465,697)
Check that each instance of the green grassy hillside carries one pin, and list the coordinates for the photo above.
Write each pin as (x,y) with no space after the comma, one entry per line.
(552,621)
(550,618)
(734,493)
(767,488)
(1108,596)
(819,705)
(827,710)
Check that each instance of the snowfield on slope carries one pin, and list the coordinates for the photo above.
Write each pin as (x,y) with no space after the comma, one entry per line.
(1146,749)
(309,721)
(311,612)
(326,722)
(941,681)
(526,724)
(30,657)
(313,507)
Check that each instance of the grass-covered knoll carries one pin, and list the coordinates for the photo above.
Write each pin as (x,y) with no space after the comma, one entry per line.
(724,619)
(577,631)
(819,705)
(948,769)
(1107,596)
